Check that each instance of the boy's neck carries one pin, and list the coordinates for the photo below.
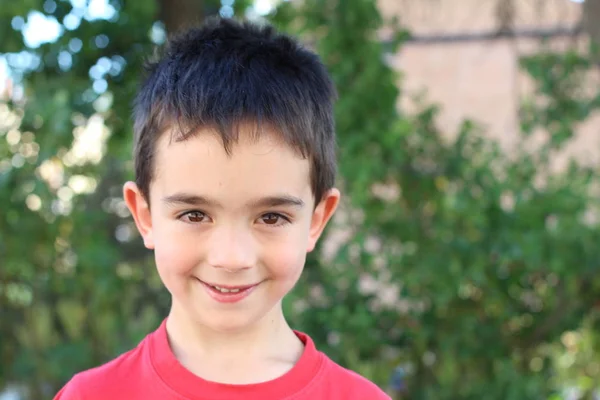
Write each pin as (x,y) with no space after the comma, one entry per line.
(260,353)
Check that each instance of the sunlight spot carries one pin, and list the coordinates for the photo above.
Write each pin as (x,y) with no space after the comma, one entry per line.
(52,172)
(82,184)
(89,144)
(263,7)
(40,29)
(13,137)
(33,202)
(99,9)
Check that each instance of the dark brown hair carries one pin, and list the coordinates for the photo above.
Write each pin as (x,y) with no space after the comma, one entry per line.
(226,73)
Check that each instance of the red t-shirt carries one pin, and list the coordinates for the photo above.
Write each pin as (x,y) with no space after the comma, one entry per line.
(151,372)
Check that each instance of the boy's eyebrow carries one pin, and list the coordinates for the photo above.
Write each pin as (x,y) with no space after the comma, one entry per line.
(196,200)
(187,199)
(277,201)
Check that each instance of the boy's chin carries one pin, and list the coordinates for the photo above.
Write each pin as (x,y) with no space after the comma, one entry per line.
(211,317)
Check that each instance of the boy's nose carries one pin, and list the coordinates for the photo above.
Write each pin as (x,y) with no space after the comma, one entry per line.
(232,250)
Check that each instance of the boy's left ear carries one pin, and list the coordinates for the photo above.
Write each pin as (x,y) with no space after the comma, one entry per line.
(323,212)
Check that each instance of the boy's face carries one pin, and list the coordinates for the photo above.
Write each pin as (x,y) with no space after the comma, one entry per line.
(243,222)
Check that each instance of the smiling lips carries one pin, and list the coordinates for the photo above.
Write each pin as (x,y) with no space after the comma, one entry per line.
(227,293)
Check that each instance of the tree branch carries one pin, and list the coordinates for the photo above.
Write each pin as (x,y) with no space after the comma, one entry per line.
(590,18)
(180,14)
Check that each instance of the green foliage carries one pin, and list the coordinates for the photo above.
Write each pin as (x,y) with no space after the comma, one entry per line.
(464,262)
(76,287)
(463,265)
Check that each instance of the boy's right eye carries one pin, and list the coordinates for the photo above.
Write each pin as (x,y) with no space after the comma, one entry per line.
(194,216)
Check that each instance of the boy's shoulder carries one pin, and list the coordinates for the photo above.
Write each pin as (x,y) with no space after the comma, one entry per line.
(343,383)
(110,380)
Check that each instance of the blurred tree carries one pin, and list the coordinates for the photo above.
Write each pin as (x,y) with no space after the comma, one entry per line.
(464,262)
(461,265)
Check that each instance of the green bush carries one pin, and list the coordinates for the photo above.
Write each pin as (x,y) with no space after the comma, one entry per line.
(473,262)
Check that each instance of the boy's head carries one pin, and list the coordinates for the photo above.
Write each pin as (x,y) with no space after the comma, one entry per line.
(225,74)
(235,166)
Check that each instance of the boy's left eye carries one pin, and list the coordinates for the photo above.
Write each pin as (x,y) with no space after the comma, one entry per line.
(274,219)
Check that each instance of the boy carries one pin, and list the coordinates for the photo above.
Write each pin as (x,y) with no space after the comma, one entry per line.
(235,167)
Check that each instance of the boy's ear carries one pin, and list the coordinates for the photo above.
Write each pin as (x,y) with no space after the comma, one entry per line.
(323,212)
(138,206)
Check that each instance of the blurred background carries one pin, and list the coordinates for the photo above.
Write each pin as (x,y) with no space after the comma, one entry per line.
(464,261)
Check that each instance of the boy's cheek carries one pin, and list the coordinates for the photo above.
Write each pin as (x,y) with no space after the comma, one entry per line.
(286,264)
(173,257)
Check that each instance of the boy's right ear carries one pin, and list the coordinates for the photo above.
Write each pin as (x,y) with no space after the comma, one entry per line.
(138,206)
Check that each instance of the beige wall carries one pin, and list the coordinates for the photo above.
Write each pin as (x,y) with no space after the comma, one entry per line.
(460,16)
(481,80)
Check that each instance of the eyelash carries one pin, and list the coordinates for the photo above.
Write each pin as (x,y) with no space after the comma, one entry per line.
(187,213)
(283,220)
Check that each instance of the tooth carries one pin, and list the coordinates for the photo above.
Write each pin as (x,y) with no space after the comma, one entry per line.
(224,290)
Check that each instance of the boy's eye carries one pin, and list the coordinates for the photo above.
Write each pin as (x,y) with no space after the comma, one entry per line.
(273,219)
(194,216)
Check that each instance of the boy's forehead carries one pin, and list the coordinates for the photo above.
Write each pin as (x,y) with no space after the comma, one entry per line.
(253,164)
